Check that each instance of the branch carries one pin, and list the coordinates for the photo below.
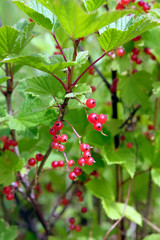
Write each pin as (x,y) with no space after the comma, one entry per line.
(151,224)
(88,68)
(61,82)
(61,50)
(130,116)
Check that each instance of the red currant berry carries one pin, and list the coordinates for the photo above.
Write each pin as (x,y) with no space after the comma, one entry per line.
(137,38)
(58,125)
(119,6)
(9,196)
(147,50)
(64,201)
(57,47)
(77,171)
(31,162)
(129,145)
(90,161)
(120,52)
(49,187)
(56,138)
(54,164)
(13,143)
(150,127)
(135,51)
(9,142)
(11,150)
(134,71)
(90,103)
(102,118)
(39,157)
(93,88)
(141,3)
(84,147)
(72,175)
(79,193)
(123,138)
(60,163)
(78,228)
(82,38)
(61,147)
(83,209)
(125,2)
(113,88)
(86,154)
(57,53)
(54,145)
(153,57)
(98,126)
(52,131)
(146,7)
(4,138)
(63,138)
(92,118)
(72,227)
(81,162)
(133,57)
(91,71)
(81,199)
(71,163)
(72,220)
(7,190)
(95,173)
(138,61)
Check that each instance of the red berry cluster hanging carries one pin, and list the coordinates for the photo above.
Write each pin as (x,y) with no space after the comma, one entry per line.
(147,50)
(38,158)
(8,191)
(144,5)
(134,56)
(93,118)
(72,227)
(113,87)
(8,143)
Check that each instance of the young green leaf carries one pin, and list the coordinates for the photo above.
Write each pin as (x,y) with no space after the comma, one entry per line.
(124,30)
(79,90)
(3,79)
(152,237)
(92,5)
(155,172)
(9,233)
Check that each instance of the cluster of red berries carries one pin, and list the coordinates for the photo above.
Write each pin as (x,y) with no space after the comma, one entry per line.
(113,87)
(38,158)
(93,118)
(120,52)
(144,5)
(57,137)
(134,56)
(149,134)
(9,191)
(56,164)
(72,227)
(7,143)
(129,144)
(123,3)
(147,50)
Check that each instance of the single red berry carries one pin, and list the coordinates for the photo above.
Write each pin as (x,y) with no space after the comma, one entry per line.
(77,171)
(137,38)
(86,154)
(119,6)
(84,147)
(70,163)
(78,228)
(90,161)
(58,125)
(120,52)
(123,138)
(141,3)
(39,157)
(72,175)
(57,47)
(81,162)
(61,147)
(30,19)
(91,70)
(93,88)
(9,196)
(72,227)
(31,162)
(79,193)
(63,138)
(54,164)
(134,71)
(129,145)
(95,173)
(147,50)
(9,142)
(54,145)
(13,143)
(7,190)
(125,2)
(102,118)
(82,38)
(56,138)
(134,57)
(52,131)
(60,163)
(83,209)
(113,88)
(98,126)
(64,201)
(49,187)
(11,150)
(72,220)
(81,199)
(153,57)
(138,61)
(4,138)
(92,118)
(90,103)
(135,50)
(150,127)
(146,7)
(57,53)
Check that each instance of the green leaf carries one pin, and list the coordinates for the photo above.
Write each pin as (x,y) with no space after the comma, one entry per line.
(78,23)
(41,62)
(9,164)
(39,13)
(115,210)
(152,237)
(101,188)
(155,172)
(92,5)
(3,79)
(156,11)
(156,89)
(124,29)
(9,233)
(43,85)
(79,90)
